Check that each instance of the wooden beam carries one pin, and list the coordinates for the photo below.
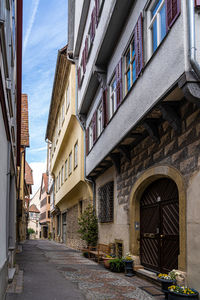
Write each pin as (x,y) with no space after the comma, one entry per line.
(116,159)
(152,128)
(170,115)
(125,151)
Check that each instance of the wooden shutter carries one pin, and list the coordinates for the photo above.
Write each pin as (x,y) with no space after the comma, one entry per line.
(93,24)
(94,123)
(118,72)
(79,77)
(87,140)
(197,3)
(104,108)
(97,12)
(173,11)
(83,61)
(86,49)
(138,39)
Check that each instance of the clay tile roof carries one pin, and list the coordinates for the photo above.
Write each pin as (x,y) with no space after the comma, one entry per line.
(45,179)
(28,174)
(33,208)
(24,122)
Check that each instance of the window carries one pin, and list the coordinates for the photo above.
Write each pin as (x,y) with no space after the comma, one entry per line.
(113,98)
(62,175)
(90,136)
(70,163)
(56,183)
(130,70)
(59,180)
(76,155)
(81,207)
(157,24)
(66,174)
(106,205)
(48,214)
(99,119)
(67,97)
(63,112)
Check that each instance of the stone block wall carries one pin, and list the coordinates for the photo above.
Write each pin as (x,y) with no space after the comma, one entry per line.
(181,151)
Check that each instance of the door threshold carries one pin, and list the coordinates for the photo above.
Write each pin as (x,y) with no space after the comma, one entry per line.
(148,275)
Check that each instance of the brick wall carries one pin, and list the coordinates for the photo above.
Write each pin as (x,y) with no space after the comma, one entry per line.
(179,150)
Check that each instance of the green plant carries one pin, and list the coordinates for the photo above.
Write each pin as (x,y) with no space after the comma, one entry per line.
(31,231)
(85,254)
(116,265)
(127,257)
(181,290)
(88,226)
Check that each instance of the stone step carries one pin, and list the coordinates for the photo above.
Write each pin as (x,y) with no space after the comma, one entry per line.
(11,273)
(148,275)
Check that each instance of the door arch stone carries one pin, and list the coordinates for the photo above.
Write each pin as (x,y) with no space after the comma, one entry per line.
(146,178)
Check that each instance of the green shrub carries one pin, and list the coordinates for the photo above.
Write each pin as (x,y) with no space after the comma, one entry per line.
(31,231)
(116,265)
(88,226)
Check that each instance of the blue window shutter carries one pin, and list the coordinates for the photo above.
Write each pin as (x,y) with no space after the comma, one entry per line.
(138,37)
(172,12)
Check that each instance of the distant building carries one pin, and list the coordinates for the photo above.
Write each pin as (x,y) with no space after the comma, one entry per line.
(44,207)
(33,221)
(34,214)
(70,193)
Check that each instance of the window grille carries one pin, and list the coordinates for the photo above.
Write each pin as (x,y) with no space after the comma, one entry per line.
(106,199)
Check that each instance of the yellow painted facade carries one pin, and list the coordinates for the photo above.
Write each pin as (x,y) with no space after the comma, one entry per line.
(71,192)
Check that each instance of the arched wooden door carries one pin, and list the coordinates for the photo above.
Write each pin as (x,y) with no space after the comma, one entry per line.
(159,229)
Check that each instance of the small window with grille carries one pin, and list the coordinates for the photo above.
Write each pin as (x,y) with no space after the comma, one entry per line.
(106,202)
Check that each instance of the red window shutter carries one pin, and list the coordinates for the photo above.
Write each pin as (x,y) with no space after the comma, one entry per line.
(87,140)
(104,108)
(119,82)
(79,77)
(86,49)
(138,38)
(172,12)
(97,11)
(83,61)
(197,3)
(93,24)
(94,121)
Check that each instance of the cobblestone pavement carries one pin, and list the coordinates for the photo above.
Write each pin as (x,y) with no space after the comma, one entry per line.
(92,279)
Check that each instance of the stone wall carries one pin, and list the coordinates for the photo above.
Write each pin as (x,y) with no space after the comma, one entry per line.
(181,151)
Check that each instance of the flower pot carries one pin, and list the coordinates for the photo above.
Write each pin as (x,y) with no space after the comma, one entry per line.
(178,296)
(106,261)
(165,284)
(128,265)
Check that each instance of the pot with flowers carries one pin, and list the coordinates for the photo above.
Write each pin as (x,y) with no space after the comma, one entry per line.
(167,280)
(128,265)
(107,259)
(182,293)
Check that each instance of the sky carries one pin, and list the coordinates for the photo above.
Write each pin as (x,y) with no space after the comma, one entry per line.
(44,33)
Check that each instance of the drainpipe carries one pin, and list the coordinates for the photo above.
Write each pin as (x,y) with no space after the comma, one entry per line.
(84,135)
(192,40)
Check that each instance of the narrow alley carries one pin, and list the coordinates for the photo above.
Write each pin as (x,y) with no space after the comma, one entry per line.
(44,265)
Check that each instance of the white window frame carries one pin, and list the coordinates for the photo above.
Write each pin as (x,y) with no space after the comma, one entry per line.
(66,169)
(62,175)
(70,163)
(90,136)
(112,97)
(130,66)
(99,119)
(67,97)
(150,22)
(76,155)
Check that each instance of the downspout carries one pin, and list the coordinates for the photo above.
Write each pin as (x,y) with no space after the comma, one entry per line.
(190,81)
(192,40)
(84,138)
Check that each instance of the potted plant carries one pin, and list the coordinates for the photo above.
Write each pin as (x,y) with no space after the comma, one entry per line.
(180,293)
(167,280)
(128,264)
(107,259)
(116,265)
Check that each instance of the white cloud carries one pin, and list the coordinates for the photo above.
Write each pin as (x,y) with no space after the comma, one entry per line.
(30,25)
(38,149)
(38,168)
